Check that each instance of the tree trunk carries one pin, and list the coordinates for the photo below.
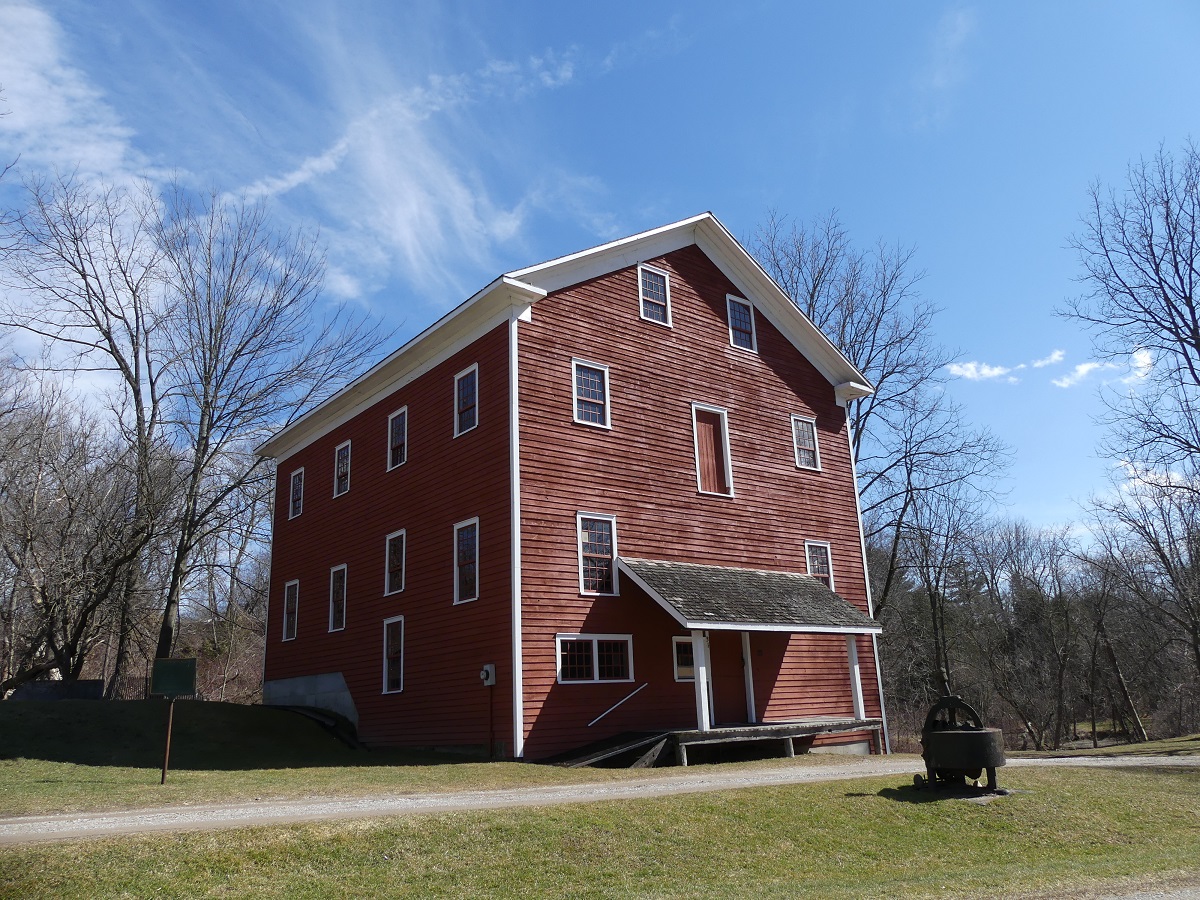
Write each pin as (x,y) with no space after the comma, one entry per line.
(1139,730)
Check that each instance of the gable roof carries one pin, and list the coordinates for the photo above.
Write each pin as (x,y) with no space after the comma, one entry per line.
(514,293)
(721,598)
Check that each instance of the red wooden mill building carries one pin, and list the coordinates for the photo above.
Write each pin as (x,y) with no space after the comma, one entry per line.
(610,494)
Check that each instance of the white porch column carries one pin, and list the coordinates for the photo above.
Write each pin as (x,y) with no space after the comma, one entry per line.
(750,717)
(855,677)
(700,669)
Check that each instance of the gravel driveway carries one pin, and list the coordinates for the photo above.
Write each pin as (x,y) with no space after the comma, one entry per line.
(67,826)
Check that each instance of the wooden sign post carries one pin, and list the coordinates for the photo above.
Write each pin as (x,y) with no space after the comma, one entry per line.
(172,678)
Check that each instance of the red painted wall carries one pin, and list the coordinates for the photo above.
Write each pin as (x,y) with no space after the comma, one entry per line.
(445,480)
(643,471)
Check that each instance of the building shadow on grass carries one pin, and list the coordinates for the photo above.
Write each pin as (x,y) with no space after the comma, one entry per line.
(910,794)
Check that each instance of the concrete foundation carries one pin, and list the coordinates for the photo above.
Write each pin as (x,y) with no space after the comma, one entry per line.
(327,691)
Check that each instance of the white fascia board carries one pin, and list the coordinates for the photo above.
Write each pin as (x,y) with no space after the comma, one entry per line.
(467,322)
(653,594)
(556,274)
(760,288)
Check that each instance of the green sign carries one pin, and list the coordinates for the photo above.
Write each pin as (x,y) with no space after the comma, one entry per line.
(173,678)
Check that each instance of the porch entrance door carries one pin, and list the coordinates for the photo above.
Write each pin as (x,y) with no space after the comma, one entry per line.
(728,678)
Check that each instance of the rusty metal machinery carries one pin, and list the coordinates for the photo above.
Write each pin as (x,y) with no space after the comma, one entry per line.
(957,748)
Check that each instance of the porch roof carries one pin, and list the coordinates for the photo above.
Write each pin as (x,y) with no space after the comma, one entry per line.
(721,598)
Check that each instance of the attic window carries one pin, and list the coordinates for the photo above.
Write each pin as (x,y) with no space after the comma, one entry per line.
(804,440)
(741,324)
(466,400)
(655,291)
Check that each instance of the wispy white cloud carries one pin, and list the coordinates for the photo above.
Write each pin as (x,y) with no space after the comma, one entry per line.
(1141,364)
(1055,357)
(976,371)
(1080,374)
(937,83)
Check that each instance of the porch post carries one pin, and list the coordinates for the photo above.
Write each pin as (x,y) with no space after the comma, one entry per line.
(700,669)
(750,716)
(855,677)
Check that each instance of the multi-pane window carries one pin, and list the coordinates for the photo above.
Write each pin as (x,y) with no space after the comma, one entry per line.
(296,504)
(393,655)
(291,607)
(597,553)
(714,474)
(341,469)
(819,565)
(393,581)
(466,400)
(685,663)
(655,293)
(804,438)
(741,323)
(337,598)
(591,393)
(398,438)
(466,561)
(594,657)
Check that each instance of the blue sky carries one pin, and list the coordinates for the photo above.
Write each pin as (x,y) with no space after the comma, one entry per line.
(438,144)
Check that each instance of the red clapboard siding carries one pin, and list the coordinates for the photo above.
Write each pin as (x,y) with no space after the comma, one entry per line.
(445,480)
(643,471)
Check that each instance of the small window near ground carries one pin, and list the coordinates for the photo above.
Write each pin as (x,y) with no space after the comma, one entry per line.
(654,288)
(466,561)
(597,553)
(714,473)
(393,582)
(393,655)
(398,438)
(741,323)
(819,563)
(341,469)
(337,598)
(591,393)
(466,400)
(291,609)
(296,502)
(804,439)
(685,663)
(594,658)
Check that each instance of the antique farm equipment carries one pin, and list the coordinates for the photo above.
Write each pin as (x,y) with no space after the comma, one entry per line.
(956,746)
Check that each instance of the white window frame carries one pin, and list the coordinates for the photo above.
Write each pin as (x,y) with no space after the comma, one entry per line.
(559,638)
(292,514)
(474,367)
(345,596)
(404,412)
(676,640)
(388,590)
(828,555)
(643,267)
(349,461)
(816,443)
(724,414)
(730,299)
(579,517)
(575,398)
(459,526)
(286,588)
(386,623)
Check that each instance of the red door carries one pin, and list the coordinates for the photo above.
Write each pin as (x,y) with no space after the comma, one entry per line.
(728,680)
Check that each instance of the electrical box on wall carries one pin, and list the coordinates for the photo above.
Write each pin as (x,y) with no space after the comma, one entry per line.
(488,674)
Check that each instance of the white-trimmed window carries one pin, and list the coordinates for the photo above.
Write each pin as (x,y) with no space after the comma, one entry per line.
(291,609)
(296,497)
(654,292)
(710,430)
(804,442)
(397,438)
(466,561)
(597,553)
(341,469)
(337,598)
(393,575)
(593,658)
(820,563)
(591,393)
(466,400)
(393,655)
(741,323)
(685,661)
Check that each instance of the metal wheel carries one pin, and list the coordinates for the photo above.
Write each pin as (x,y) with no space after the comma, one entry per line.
(918,781)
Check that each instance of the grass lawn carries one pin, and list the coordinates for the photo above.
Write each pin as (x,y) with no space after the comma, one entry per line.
(1188,745)
(1062,830)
